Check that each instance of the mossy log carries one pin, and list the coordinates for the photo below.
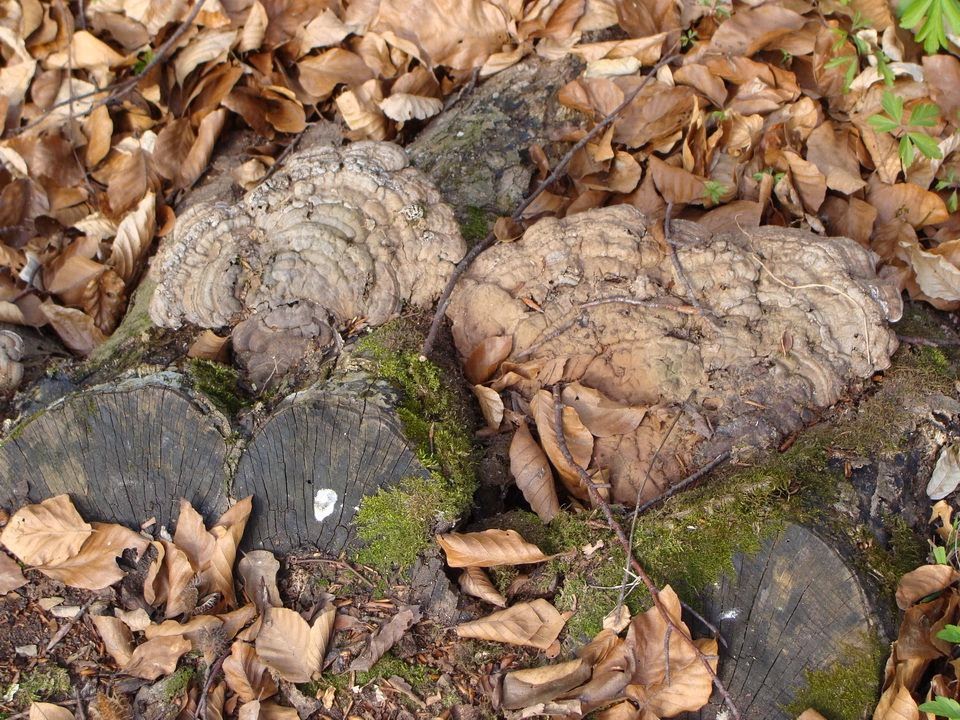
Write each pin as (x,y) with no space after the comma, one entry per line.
(792,609)
(128,451)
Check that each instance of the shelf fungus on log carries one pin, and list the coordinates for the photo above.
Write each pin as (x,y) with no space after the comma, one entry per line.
(335,235)
(775,324)
(11,370)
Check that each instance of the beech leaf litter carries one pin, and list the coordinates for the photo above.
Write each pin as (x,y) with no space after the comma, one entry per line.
(166,606)
(794,115)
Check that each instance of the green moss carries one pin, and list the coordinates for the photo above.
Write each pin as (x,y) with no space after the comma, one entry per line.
(476,225)
(848,689)
(177,684)
(125,348)
(220,383)
(903,552)
(398,523)
(419,676)
(42,684)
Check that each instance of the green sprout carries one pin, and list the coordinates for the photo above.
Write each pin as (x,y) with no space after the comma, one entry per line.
(911,141)
(688,38)
(713,191)
(777,176)
(143,59)
(942,707)
(932,17)
(951,182)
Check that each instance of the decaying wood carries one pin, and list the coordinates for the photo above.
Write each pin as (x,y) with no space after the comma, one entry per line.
(792,608)
(127,452)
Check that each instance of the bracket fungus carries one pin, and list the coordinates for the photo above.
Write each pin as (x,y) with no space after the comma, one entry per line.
(781,323)
(336,235)
(11,350)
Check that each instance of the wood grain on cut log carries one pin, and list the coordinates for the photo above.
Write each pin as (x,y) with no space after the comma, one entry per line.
(793,607)
(311,463)
(125,453)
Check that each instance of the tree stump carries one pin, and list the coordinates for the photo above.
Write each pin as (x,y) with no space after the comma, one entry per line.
(792,608)
(128,451)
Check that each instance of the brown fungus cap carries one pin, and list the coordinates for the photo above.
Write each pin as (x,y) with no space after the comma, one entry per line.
(593,299)
(336,234)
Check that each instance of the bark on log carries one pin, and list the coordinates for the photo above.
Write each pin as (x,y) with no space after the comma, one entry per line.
(128,451)
(792,608)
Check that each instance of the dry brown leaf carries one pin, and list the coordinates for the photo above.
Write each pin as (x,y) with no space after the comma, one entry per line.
(489,548)
(320,74)
(404,106)
(207,46)
(77,329)
(535,623)
(116,637)
(209,346)
(831,152)
(579,441)
(291,647)
(246,675)
(174,581)
(751,29)
(531,471)
(522,688)
(675,184)
(258,569)
(46,533)
(808,180)
(98,127)
(49,711)
(197,160)
(491,405)
(690,683)
(486,358)
(11,576)
(235,620)
(254,28)
(386,637)
(907,202)
(937,277)
(896,703)
(925,580)
(601,416)
(157,657)
(217,574)
(810,714)
(258,710)
(134,236)
(361,111)
(95,567)
(474,581)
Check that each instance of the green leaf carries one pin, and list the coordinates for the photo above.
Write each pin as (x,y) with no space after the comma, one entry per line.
(881,123)
(940,555)
(952,202)
(924,115)
(950,633)
(838,61)
(951,8)
(926,145)
(942,706)
(913,11)
(907,152)
(883,67)
(893,104)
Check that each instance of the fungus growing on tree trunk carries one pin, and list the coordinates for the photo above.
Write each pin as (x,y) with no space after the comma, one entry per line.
(334,236)
(759,330)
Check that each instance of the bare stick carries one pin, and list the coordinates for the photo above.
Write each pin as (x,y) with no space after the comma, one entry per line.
(207,684)
(685,483)
(491,239)
(678,268)
(653,303)
(120,89)
(927,342)
(652,588)
(65,628)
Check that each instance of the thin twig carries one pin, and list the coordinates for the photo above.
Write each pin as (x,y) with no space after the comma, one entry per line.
(706,623)
(678,267)
(338,563)
(653,303)
(65,628)
(927,342)
(666,652)
(685,483)
(207,684)
(555,175)
(652,588)
(120,89)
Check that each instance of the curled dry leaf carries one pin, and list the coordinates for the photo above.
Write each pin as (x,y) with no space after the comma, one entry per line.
(46,533)
(578,438)
(387,637)
(936,276)
(925,580)
(602,416)
(908,202)
(77,330)
(896,703)
(217,576)
(535,623)
(946,473)
(209,346)
(290,646)
(246,675)
(116,637)
(49,711)
(491,405)
(259,569)
(95,567)
(810,714)
(531,471)
(157,657)
(11,576)
(523,688)
(404,106)
(486,357)
(474,581)
(489,548)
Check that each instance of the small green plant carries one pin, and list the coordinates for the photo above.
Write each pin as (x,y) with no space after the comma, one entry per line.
(942,707)
(911,141)
(688,38)
(777,176)
(143,59)
(713,191)
(851,63)
(950,182)
(929,19)
(717,8)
